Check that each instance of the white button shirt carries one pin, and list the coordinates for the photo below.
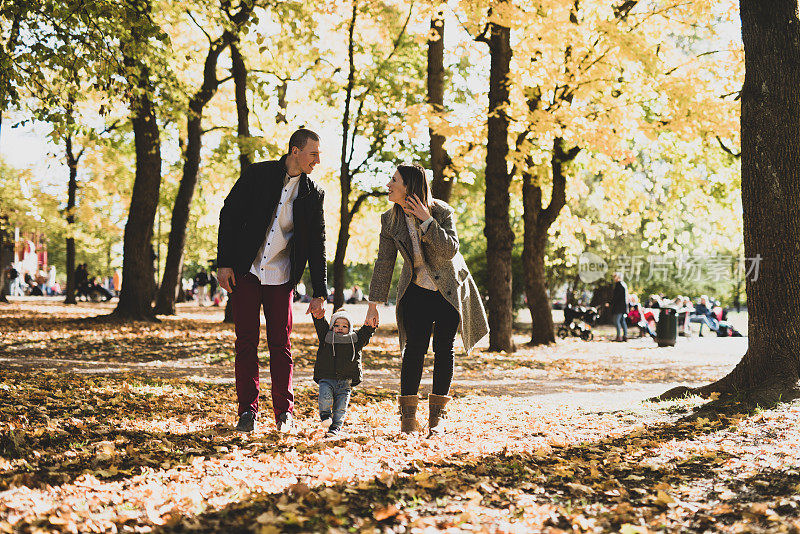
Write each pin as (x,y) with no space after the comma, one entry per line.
(272,265)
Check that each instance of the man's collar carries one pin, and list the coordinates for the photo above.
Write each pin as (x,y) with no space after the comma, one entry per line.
(290,179)
(282,161)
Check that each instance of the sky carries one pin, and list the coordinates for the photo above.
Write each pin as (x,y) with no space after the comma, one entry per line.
(27,147)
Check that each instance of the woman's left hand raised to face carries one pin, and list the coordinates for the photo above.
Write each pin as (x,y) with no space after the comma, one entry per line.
(415,207)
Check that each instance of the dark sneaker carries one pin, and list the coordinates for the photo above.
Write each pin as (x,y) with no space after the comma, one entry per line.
(285,423)
(333,431)
(247,422)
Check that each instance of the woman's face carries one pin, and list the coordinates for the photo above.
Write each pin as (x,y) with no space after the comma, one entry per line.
(397,189)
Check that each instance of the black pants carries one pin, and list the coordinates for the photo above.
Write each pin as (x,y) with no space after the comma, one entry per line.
(426,311)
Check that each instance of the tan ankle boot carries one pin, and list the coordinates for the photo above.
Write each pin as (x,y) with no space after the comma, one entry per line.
(436,414)
(408,413)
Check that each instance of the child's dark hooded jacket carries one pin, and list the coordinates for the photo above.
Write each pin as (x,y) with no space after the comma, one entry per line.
(339,355)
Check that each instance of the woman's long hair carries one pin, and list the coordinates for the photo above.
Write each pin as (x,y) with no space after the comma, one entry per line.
(416,181)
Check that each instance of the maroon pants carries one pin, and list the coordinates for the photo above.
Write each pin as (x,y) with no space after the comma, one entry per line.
(247,299)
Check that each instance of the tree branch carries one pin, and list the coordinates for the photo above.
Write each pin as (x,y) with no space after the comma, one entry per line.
(622,10)
(380,66)
(376,145)
(361,198)
(283,78)
(191,17)
(726,149)
(355,131)
(673,69)
(213,128)
(399,36)
(558,197)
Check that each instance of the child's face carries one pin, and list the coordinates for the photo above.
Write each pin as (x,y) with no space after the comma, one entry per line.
(341,326)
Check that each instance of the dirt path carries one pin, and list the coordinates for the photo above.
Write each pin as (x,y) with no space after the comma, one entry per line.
(598,375)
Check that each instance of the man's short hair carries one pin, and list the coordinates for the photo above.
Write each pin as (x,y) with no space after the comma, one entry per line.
(300,138)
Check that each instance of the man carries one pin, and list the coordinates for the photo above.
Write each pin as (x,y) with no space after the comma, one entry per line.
(12,275)
(619,307)
(81,277)
(270,226)
(704,315)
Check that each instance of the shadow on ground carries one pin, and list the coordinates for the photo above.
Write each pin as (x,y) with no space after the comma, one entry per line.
(620,485)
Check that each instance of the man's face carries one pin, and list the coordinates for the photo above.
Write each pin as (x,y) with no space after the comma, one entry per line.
(341,326)
(308,157)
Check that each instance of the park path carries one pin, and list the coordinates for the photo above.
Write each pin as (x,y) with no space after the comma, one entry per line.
(597,376)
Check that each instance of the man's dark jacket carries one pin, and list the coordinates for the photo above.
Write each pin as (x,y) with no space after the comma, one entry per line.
(619,300)
(250,208)
(702,309)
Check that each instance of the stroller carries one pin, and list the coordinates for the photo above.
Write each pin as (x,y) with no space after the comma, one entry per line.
(578,321)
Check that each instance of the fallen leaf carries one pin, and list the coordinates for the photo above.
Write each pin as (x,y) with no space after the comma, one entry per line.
(383,514)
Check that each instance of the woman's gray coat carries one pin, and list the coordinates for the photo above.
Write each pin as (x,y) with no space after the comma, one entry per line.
(445,263)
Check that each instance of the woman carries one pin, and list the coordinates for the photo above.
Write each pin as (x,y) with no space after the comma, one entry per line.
(435,293)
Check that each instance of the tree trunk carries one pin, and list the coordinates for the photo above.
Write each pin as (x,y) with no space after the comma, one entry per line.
(542,331)
(239,71)
(441,186)
(280,116)
(534,243)
(167,292)
(770,159)
(136,295)
(338,260)
(498,232)
(72,191)
(3,291)
(345,180)
(170,283)
(537,221)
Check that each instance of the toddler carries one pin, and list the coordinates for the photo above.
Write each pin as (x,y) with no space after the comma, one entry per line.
(338,366)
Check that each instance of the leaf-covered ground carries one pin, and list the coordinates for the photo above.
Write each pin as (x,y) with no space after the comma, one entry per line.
(138,453)
(53,336)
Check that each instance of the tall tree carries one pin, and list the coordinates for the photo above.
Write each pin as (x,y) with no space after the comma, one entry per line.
(170,283)
(47,77)
(573,85)
(498,232)
(345,180)
(442,183)
(4,231)
(72,191)
(239,73)
(372,97)
(770,159)
(138,282)
(73,158)
(537,221)
(167,292)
